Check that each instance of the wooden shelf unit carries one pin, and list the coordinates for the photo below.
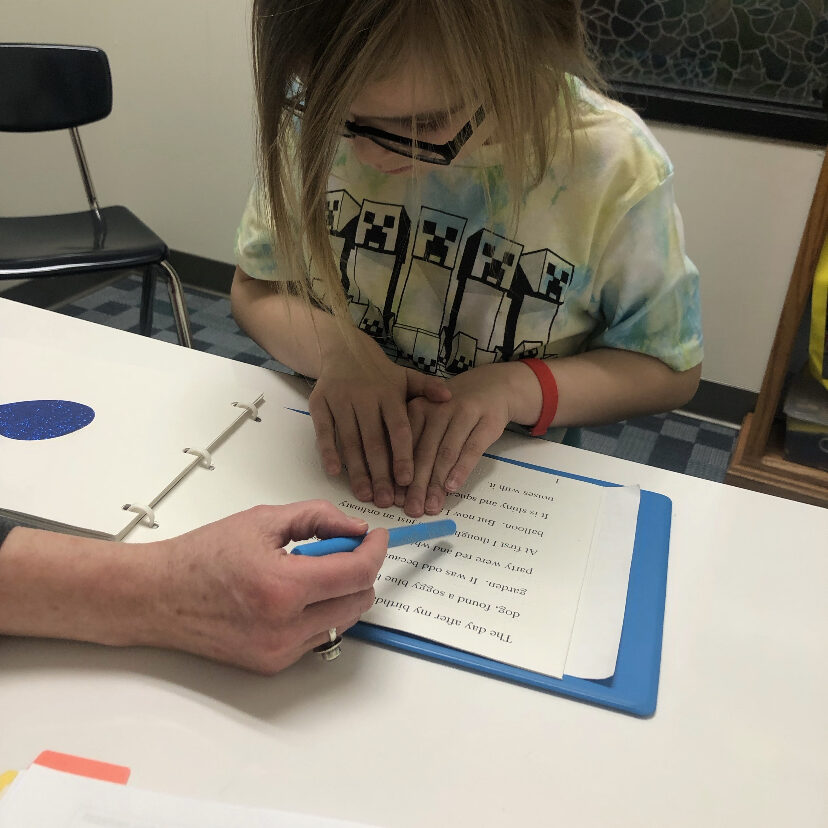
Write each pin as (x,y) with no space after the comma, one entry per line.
(758,461)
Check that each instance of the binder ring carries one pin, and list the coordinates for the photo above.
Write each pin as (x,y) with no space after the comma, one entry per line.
(203,455)
(146,513)
(251,409)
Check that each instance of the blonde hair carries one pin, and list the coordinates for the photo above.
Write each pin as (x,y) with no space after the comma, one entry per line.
(512,55)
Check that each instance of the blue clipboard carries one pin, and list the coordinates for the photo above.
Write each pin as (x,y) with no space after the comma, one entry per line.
(634,686)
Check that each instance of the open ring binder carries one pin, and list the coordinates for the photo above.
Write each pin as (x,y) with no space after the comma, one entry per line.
(156,474)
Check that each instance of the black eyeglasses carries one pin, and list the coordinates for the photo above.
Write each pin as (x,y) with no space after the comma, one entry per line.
(418,150)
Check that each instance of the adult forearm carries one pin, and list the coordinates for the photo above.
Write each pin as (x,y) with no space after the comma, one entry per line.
(227,590)
(603,386)
(59,586)
(289,328)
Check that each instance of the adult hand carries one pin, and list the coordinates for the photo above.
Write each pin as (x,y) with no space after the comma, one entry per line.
(230,592)
(450,437)
(359,413)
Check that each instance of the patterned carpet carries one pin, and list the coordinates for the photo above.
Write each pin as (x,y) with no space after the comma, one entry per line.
(672,441)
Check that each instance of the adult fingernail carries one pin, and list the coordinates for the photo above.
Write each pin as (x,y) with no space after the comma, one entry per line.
(451,484)
(364,492)
(431,504)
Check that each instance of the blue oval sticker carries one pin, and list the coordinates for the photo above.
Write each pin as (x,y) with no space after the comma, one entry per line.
(43,419)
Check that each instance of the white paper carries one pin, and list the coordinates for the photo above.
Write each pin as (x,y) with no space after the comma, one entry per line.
(597,632)
(507,585)
(134,447)
(45,798)
(274,461)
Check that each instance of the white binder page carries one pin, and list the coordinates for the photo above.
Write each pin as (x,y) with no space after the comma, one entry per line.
(131,424)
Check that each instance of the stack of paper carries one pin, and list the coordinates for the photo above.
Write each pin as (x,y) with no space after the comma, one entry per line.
(44,798)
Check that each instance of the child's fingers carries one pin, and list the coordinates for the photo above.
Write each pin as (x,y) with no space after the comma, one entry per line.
(448,453)
(350,444)
(458,433)
(323,424)
(436,390)
(422,385)
(424,457)
(376,453)
(399,495)
(399,436)
(481,438)
(435,499)
(417,420)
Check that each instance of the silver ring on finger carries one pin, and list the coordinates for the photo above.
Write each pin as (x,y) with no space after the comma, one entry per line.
(331,650)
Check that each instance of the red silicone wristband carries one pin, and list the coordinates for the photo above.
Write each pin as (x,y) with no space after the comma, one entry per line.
(549,390)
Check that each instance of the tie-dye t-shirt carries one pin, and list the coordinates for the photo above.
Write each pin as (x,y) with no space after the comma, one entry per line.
(433,272)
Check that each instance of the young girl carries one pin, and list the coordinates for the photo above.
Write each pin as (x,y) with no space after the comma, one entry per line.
(454,231)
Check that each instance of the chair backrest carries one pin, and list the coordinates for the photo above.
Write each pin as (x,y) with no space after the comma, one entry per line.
(45,87)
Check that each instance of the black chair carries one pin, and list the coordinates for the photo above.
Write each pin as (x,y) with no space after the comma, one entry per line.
(46,87)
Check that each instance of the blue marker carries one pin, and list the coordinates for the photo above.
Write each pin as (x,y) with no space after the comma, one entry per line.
(396,537)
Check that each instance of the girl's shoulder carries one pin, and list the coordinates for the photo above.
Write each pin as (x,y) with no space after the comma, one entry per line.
(608,135)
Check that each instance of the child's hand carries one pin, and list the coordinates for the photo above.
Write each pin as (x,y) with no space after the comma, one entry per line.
(360,404)
(450,437)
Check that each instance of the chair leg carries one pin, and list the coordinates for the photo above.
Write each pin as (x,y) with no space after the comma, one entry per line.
(147,298)
(179,306)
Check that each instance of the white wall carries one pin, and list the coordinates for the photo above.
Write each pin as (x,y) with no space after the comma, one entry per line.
(178,147)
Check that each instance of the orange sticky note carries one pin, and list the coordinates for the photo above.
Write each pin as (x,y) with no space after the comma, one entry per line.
(91,768)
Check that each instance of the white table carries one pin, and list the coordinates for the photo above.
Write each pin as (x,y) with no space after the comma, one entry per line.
(739,736)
